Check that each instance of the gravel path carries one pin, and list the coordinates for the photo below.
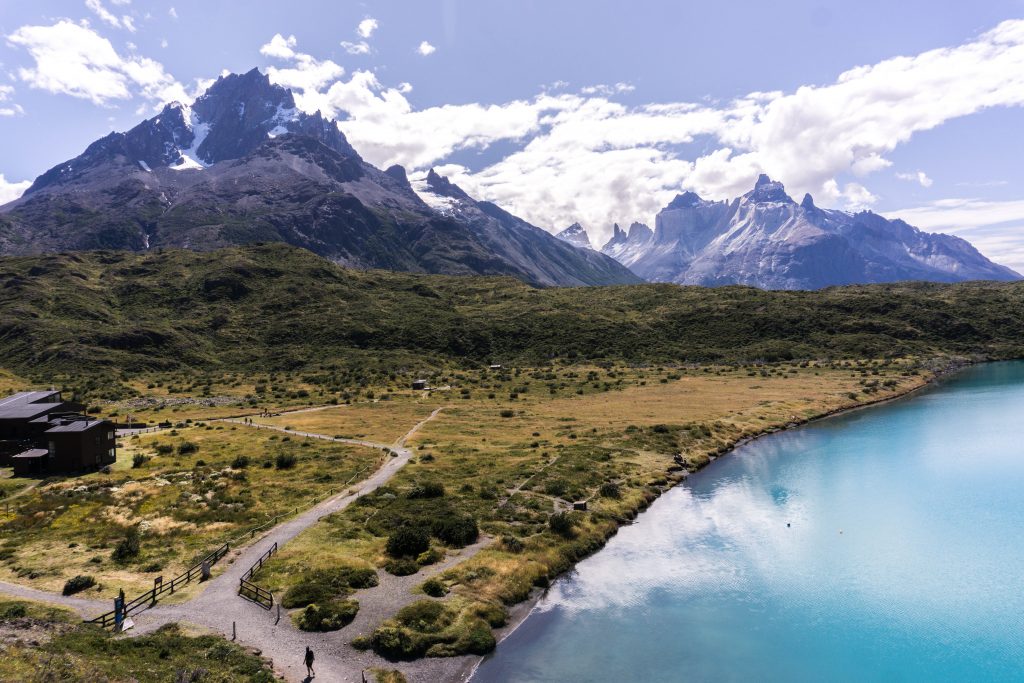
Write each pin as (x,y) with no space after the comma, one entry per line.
(84,606)
(220,608)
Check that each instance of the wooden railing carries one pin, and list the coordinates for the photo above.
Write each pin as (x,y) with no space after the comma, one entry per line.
(249,590)
(148,598)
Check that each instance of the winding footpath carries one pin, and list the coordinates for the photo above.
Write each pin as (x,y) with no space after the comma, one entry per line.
(220,608)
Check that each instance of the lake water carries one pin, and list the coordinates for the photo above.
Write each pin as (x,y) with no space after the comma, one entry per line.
(903,559)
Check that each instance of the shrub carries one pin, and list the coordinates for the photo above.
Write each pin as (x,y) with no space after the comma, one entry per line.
(14,610)
(512,544)
(329,616)
(187,447)
(78,584)
(429,489)
(407,542)
(456,531)
(435,588)
(393,643)
(508,413)
(241,462)
(610,489)
(285,461)
(303,594)
(138,460)
(127,548)
(164,449)
(562,524)
(401,567)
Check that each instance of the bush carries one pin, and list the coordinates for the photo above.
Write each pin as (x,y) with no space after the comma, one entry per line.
(407,542)
(14,610)
(512,544)
(435,588)
(401,567)
(329,616)
(78,584)
(508,413)
(303,594)
(240,463)
(138,460)
(285,461)
(128,547)
(456,531)
(562,524)
(429,489)
(187,447)
(610,490)
(393,643)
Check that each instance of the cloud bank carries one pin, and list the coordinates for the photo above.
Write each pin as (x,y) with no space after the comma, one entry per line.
(585,157)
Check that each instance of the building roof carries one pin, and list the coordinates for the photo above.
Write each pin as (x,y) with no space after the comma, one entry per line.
(32,454)
(76,425)
(29,404)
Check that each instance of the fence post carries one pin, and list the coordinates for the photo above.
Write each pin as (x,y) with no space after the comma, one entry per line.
(234,633)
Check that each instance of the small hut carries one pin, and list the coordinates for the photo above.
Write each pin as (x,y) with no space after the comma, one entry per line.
(419,384)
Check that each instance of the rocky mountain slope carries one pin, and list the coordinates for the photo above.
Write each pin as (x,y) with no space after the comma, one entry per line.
(241,165)
(767,240)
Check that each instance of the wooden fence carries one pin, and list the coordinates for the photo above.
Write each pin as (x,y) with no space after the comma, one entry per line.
(148,598)
(249,590)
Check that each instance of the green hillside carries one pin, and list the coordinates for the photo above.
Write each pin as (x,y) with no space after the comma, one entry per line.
(279,307)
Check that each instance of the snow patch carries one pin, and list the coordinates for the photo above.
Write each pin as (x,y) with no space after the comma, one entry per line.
(145,166)
(190,158)
(446,206)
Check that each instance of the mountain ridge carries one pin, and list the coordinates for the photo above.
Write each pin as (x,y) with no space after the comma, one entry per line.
(242,164)
(765,239)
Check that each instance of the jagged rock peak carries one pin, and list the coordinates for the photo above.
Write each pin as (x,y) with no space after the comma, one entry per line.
(575,235)
(440,185)
(768,190)
(685,200)
(639,231)
(808,202)
(398,173)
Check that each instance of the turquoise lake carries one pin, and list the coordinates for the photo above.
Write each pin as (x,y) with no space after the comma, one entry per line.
(903,559)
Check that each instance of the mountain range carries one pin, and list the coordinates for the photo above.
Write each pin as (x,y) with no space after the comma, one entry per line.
(767,240)
(242,165)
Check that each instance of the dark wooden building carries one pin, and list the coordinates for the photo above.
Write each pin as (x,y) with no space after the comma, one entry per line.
(24,417)
(40,433)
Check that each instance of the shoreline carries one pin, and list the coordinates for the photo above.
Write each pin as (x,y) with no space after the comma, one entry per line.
(520,612)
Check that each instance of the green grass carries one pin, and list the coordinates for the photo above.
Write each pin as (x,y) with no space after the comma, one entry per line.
(67,650)
(276,308)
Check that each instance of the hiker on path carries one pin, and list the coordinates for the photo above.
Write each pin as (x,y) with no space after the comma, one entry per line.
(309,663)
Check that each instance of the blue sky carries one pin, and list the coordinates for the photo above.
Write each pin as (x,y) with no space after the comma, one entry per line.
(561,111)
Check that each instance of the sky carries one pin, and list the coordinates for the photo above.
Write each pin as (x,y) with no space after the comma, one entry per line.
(561,111)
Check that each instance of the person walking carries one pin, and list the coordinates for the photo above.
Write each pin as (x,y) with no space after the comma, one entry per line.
(309,663)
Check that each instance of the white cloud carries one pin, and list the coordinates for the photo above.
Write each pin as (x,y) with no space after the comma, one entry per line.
(308,74)
(601,88)
(279,47)
(8,108)
(172,13)
(120,2)
(366,27)
(426,48)
(919,177)
(75,60)
(105,15)
(11,191)
(586,157)
(360,48)
(163,43)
